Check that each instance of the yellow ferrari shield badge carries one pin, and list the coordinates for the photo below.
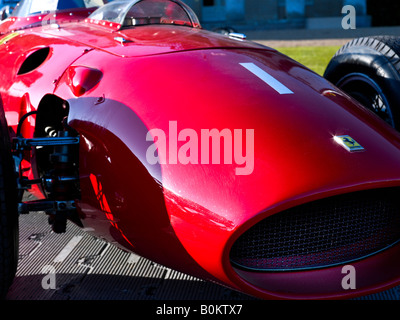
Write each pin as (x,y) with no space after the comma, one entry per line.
(348,143)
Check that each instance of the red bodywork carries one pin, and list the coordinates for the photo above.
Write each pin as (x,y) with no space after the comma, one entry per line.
(188,216)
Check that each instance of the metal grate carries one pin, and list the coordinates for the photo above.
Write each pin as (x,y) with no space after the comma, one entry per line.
(323,233)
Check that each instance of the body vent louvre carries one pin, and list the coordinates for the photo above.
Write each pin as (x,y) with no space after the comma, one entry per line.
(34,61)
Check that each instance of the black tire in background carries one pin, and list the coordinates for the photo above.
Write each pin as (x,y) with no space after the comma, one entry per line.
(8,210)
(368,69)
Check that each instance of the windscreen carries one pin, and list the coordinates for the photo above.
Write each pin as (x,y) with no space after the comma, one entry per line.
(129,13)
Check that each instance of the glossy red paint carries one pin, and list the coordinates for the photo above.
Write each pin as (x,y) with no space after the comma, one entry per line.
(83,79)
(188,216)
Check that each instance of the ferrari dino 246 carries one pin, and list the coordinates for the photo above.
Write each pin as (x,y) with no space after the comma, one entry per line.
(89,90)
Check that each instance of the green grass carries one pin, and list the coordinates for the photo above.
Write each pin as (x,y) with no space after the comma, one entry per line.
(315,58)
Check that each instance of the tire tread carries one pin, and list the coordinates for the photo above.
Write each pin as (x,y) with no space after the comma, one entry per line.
(389,46)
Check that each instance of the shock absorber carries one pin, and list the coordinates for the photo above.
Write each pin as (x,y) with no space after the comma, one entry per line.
(60,182)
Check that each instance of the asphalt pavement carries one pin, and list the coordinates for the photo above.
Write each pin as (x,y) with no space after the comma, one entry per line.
(78,266)
(315,37)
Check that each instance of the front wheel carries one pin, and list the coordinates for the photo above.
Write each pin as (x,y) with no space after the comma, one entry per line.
(8,211)
(368,69)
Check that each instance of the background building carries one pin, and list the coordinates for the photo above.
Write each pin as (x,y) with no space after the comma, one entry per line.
(277,13)
(384,12)
(274,14)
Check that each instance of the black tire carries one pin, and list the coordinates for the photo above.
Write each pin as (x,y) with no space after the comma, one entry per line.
(9,244)
(368,69)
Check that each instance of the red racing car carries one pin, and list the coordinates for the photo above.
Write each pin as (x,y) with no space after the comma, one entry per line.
(204,152)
